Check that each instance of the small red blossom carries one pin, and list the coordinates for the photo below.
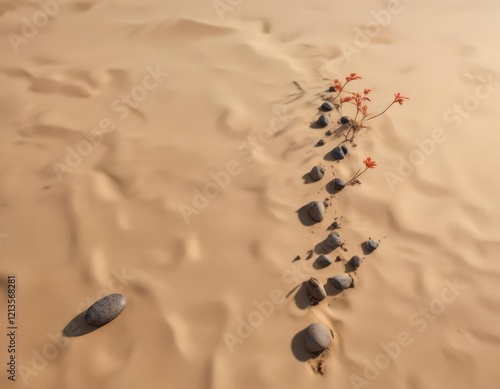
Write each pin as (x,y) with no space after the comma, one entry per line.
(345,99)
(400,99)
(364,109)
(352,77)
(366,91)
(370,163)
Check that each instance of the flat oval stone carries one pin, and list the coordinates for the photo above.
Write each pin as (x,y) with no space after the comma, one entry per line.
(332,241)
(371,245)
(339,184)
(355,261)
(317,172)
(324,261)
(345,120)
(318,337)
(339,152)
(316,210)
(342,281)
(315,290)
(322,121)
(326,106)
(105,310)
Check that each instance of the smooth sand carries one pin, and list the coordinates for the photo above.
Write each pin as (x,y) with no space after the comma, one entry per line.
(117,212)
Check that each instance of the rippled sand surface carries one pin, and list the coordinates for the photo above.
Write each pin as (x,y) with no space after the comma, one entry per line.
(116,115)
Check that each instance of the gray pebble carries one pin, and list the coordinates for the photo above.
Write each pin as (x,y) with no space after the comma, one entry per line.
(328,133)
(345,120)
(318,338)
(355,261)
(339,184)
(316,210)
(105,310)
(331,89)
(371,245)
(340,152)
(323,261)
(332,241)
(326,106)
(321,142)
(317,172)
(342,281)
(315,291)
(322,121)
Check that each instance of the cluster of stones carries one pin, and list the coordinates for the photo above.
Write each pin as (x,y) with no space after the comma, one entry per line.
(319,336)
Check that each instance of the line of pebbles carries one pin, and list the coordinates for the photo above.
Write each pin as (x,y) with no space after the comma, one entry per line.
(318,336)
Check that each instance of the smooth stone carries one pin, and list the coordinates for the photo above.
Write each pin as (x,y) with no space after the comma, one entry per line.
(342,281)
(316,210)
(339,184)
(322,121)
(332,241)
(355,261)
(371,245)
(335,225)
(331,89)
(321,142)
(323,261)
(105,310)
(326,106)
(340,152)
(318,337)
(317,172)
(315,290)
(328,133)
(345,120)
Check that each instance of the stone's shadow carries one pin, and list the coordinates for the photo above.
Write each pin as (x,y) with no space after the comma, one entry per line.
(349,268)
(329,157)
(304,217)
(316,125)
(307,179)
(299,346)
(301,298)
(292,290)
(309,255)
(318,266)
(78,326)
(331,290)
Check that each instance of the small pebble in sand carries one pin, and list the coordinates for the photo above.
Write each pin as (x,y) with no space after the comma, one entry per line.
(316,210)
(328,133)
(321,142)
(345,120)
(371,245)
(331,89)
(355,262)
(105,310)
(340,152)
(318,338)
(315,291)
(332,241)
(335,225)
(323,261)
(317,172)
(322,121)
(339,184)
(342,281)
(326,106)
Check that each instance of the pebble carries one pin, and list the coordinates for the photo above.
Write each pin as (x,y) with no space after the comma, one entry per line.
(371,245)
(342,281)
(324,261)
(339,184)
(105,310)
(328,133)
(340,152)
(321,142)
(331,89)
(335,225)
(316,210)
(345,120)
(318,338)
(322,121)
(317,172)
(355,261)
(332,241)
(326,106)
(315,291)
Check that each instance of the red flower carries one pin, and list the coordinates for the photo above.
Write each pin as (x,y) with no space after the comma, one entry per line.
(366,91)
(352,77)
(400,99)
(345,99)
(370,163)
(364,109)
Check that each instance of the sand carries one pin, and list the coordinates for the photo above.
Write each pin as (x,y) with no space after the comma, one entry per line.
(191,96)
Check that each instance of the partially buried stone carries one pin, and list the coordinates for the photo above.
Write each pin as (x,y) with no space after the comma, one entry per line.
(355,261)
(316,210)
(317,172)
(331,89)
(339,184)
(322,120)
(326,106)
(342,281)
(315,291)
(345,120)
(105,310)
(332,241)
(321,142)
(324,261)
(371,245)
(340,152)
(318,338)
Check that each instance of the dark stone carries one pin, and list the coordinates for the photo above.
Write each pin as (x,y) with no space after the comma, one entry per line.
(332,241)
(339,184)
(371,245)
(335,225)
(328,133)
(339,152)
(316,210)
(321,142)
(317,172)
(318,338)
(326,106)
(105,310)
(315,291)
(345,120)
(342,281)
(331,89)
(322,120)
(324,261)
(355,261)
